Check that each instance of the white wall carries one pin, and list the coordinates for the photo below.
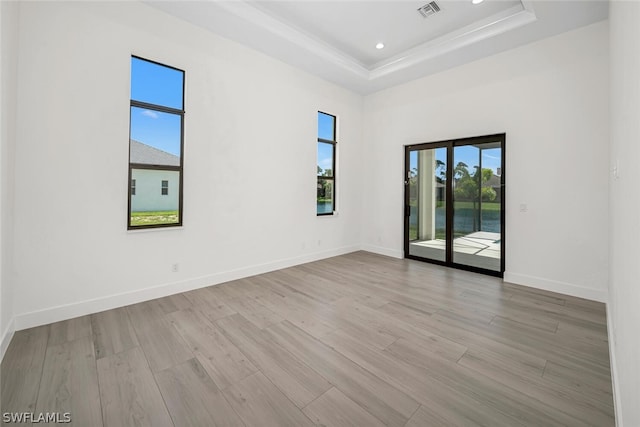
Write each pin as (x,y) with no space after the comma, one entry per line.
(249,165)
(8,97)
(624,289)
(551,99)
(250,137)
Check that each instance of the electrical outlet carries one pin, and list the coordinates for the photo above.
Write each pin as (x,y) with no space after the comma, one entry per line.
(175,267)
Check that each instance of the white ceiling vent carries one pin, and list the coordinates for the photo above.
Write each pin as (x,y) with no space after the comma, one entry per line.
(429,9)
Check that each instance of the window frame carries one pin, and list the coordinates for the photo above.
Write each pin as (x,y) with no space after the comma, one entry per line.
(332,178)
(180,169)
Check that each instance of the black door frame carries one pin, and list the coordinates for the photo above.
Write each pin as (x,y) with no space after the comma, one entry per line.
(450,145)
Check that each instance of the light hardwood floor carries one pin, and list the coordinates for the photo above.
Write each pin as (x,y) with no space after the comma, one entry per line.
(355,340)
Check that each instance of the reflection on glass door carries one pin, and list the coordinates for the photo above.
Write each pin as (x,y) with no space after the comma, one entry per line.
(427,203)
(454,203)
(477,206)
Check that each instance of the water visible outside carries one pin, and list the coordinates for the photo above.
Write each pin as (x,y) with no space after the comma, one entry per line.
(324,207)
(463,220)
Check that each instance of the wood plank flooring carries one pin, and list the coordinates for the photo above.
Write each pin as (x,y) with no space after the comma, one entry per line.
(355,340)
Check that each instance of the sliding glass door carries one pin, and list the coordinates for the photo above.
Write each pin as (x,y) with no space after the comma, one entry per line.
(427,178)
(454,212)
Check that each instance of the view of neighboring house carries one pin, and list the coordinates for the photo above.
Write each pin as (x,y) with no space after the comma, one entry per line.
(494,182)
(153,189)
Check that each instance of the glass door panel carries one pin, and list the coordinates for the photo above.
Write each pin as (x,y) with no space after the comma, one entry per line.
(427,203)
(454,212)
(477,228)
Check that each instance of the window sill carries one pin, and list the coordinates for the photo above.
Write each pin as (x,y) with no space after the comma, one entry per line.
(154,229)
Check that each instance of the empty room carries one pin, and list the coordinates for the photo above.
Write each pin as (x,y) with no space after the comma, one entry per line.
(336,213)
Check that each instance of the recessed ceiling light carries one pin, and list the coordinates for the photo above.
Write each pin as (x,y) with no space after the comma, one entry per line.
(380,46)
(476,1)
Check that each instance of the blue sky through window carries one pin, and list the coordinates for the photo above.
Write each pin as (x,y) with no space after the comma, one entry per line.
(157,129)
(325,157)
(160,85)
(156,84)
(326,126)
(326,130)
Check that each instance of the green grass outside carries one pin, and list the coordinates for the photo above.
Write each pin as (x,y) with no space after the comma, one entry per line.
(486,206)
(440,234)
(154,218)
(413,232)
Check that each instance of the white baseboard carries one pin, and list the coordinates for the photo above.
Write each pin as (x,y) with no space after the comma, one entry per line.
(383,251)
(7,334)
(555,286)
(614,370)
(519,279)
(69,311)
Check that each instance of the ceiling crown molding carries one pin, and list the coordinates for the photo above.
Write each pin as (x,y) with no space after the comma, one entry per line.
(266,21)
(258,26)
(499,23)
(492,26)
